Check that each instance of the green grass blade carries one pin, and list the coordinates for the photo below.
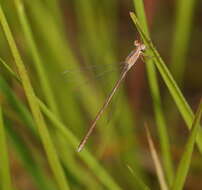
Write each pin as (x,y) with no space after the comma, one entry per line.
(141,185)
(157,104)
(182,29)
(42,128)
(173,88)
(7,67)
(36,57)
(16,105)
(185,161)
(4,160)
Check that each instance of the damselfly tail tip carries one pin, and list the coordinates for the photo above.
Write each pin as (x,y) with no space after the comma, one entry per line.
(80,147)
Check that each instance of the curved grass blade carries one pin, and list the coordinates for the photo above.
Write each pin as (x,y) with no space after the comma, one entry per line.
(37,115)
(156,97)
(4,160)
(185,161)
(173,88)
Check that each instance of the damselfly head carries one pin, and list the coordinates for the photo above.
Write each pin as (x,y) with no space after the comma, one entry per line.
(140,45)
(136,43)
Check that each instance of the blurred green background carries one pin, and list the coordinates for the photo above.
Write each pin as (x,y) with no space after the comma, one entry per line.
(72,51)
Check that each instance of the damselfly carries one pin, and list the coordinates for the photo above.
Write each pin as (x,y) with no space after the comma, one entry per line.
(128,64)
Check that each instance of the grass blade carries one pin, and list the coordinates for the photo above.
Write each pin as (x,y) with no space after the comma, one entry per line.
(138,180)
(7,67)
(182,29)
(173,88)
(157,104)
(156,160)
(185,161)
(4,160)
(36,57)
(42,128)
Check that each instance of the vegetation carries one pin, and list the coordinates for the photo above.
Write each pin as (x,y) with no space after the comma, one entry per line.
(51,56)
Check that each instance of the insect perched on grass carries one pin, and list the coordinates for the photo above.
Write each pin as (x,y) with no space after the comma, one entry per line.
(128,64)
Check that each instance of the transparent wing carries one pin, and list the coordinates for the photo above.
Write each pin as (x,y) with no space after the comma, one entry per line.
(93,74)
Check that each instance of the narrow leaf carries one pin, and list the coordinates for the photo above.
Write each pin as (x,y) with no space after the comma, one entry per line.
(156,160)
(44,83)
(8,68)
(156,97)
(185,161)
(4,160)
(181,36)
